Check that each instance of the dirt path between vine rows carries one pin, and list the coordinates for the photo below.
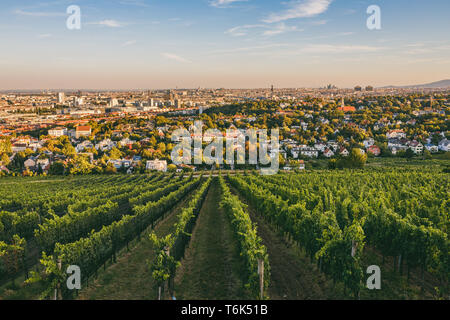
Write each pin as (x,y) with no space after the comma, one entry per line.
(211,268)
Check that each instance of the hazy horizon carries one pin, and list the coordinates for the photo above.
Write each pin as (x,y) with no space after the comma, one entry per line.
(55,90)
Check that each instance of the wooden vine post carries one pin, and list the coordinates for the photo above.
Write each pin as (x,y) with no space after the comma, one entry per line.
(58,286)
(261,277)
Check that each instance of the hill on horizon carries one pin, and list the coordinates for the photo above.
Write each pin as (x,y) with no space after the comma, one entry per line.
(432,85)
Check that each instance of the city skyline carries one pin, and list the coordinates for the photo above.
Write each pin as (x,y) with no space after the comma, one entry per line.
(131,44)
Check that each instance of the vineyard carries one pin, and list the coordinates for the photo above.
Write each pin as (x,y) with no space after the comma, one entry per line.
(237,236)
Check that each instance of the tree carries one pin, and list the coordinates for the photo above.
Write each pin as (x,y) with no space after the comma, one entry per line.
(12,257)
(5,145)
(357,158)
(427,154)
(409,153)
(110,169)
(162,147)
(39,170)
(68,150)
(81,165)
(57,168)
(17,163)
(115,153)
(5,159)
(332,164)
(152,141)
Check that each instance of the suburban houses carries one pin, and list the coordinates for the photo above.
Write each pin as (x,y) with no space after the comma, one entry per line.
(311,128)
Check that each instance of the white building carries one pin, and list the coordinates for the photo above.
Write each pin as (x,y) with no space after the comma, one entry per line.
(83,131)
(320,146)
(416,147)
(43,163)
(35,146)
(121,163)
(395,134)
(29,164)
(328,153)
(126,142)
(61,97)
(432,148)
(19,147)
(309,152)
(105,145)
(57,132)
(344,152)
(333,145)
(444,145)
(83,146)
(113,103)
(158,165)
(369,142)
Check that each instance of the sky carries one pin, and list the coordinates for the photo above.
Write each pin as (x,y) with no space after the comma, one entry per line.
(156,44)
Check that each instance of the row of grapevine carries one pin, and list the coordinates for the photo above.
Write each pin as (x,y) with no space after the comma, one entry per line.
(71,227)
(337,251)
(157,192)
(55,195)
(170,249)
(153,211)
(24,222)
(12,257)
(251,247)
(187,219)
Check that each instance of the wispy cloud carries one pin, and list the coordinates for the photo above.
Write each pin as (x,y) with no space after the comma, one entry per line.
(223,3)
(21,12)
(240,31)
(300,9)
(109,23)
(172,56)
(279,29)
(271,30)
(129,43)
